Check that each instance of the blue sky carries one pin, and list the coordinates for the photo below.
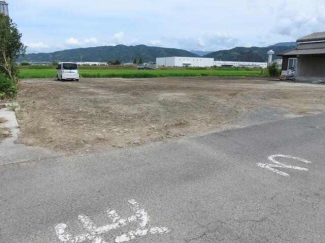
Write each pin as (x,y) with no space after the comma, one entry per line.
(207,25)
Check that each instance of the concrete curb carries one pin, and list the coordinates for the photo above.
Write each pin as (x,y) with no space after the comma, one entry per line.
(11,123)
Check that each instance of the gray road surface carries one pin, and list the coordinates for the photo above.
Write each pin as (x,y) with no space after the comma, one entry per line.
(204,189)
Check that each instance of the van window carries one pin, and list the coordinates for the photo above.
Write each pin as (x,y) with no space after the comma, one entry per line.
(70,66)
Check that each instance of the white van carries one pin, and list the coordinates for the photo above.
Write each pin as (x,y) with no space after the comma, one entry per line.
(68,71)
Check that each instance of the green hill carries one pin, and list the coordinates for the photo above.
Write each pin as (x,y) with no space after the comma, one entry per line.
(149,54)
(251,54)
(107,53)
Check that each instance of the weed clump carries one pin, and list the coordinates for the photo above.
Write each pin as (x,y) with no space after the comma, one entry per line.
(274,70)
(8,89)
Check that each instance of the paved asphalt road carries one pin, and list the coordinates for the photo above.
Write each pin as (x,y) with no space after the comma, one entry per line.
(204,189)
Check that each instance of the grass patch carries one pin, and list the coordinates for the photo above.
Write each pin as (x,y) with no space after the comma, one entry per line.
(131,73)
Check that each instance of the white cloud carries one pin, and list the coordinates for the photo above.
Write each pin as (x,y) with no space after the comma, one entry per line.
(92,40)
(205,42)
(155,43)
(118,38)
(67,44)
(37,45)
(303,23)
(73,41)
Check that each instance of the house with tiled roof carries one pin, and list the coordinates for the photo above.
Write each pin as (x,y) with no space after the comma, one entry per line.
(307,61)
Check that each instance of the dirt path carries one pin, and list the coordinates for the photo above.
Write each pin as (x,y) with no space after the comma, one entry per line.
(94,113)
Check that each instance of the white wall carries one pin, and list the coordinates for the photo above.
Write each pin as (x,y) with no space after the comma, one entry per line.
(204,62)
(184,61)
(165,61)
(92,63)
(241,64)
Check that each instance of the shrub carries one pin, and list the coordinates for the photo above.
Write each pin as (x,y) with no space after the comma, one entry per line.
(7,87)
(115,62)
(274,70)
(11,47)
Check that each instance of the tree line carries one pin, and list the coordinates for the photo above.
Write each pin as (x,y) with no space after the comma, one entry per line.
(118,62)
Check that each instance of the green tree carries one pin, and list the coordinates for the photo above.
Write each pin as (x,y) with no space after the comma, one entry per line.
(11,47)
(274,70)
(140,61)
(25,64)
(135,61)
(116,62)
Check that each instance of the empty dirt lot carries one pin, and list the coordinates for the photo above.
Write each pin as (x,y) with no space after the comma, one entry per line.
(103,113)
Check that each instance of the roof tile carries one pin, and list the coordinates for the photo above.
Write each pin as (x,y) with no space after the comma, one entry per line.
(313,37)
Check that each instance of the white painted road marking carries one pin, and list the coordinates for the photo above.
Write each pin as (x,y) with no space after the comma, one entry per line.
(277,164)
(94,234)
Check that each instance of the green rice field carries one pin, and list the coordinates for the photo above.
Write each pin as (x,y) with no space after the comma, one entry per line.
(29,73)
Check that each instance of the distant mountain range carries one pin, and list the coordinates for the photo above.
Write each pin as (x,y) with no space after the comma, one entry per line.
(251,54)
(107,53)
(201,53)
(286,44)
(149,54)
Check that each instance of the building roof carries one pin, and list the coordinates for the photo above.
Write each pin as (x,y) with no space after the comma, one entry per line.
(296,52)
(318,36)
(313,44)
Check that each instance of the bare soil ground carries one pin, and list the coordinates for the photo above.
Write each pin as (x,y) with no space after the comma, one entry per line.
(97,113)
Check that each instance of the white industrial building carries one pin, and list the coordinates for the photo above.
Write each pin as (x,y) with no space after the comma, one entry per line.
(204,62)
(92,63)
(184,62)
(240,64)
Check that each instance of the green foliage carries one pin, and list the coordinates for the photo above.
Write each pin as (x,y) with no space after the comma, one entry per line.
(138,60)
(38,67)
(274,70)
(11,47)
(33,67)
(25,64)
(114,63)
(197,68)
(7,87)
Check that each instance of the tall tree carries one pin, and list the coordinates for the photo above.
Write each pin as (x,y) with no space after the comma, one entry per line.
(11,47)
